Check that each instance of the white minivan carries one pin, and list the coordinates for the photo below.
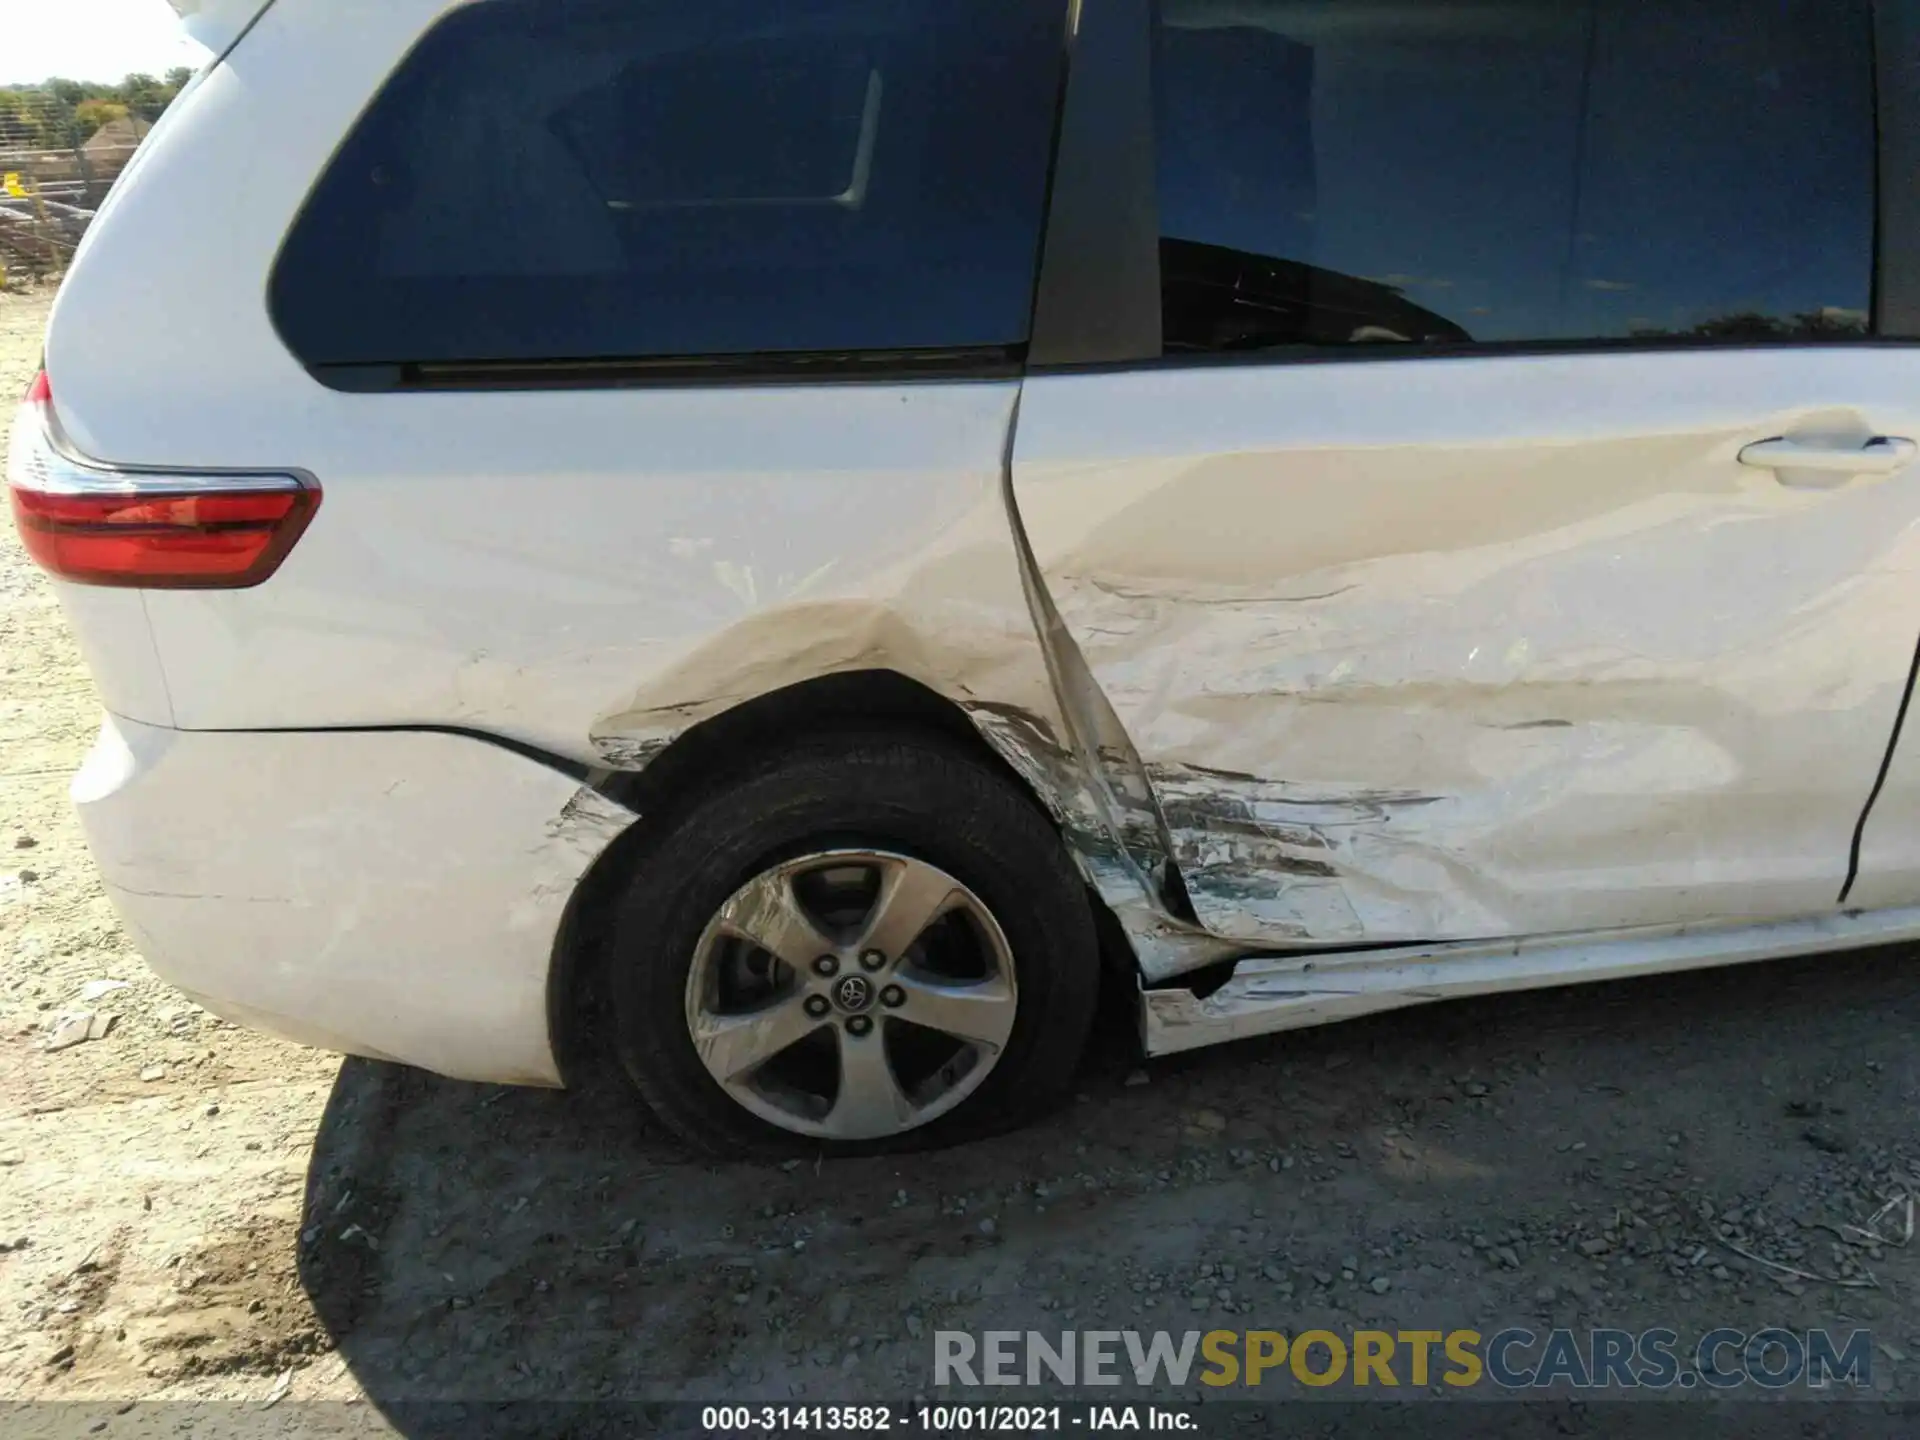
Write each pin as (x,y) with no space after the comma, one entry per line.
(808,536)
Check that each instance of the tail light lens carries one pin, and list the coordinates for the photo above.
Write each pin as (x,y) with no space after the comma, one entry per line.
(160,529)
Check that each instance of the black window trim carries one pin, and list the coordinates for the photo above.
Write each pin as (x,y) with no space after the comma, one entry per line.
(1098,297)
(1896,277)
(783,367)
(1100,275)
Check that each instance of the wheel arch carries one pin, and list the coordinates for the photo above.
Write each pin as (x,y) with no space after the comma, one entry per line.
(674,776)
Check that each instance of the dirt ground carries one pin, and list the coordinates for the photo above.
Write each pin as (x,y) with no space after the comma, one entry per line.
(192,1212)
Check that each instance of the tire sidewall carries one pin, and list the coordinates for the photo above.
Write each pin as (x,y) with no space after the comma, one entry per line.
(925,802)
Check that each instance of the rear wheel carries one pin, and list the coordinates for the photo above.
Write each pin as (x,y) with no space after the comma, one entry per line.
(865,943)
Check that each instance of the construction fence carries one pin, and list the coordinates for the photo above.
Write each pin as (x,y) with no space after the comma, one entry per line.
(48,195)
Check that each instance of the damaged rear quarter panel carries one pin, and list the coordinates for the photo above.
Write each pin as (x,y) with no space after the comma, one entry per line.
(908,567)
(957,611)
(682,550)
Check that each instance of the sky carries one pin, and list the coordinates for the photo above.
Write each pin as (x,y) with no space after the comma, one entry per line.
(91,39)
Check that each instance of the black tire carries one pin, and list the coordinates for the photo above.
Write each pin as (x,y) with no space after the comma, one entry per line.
(915,795)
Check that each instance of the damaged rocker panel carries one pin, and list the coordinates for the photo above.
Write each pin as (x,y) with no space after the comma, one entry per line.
(1267,994)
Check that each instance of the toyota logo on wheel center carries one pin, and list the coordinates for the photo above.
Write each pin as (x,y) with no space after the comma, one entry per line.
(852,993)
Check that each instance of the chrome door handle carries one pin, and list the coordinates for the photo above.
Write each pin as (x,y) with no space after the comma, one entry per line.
(1811,464)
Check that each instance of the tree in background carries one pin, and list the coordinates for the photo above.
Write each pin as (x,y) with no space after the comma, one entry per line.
(93,115)
(62,114)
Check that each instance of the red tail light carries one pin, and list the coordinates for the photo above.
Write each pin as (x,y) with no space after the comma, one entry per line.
(159,529)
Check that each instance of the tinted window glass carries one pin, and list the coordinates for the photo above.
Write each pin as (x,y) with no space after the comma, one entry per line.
(582,179)
(1342,171)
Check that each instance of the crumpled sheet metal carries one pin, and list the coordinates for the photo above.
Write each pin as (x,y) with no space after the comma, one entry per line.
(1269,994)
(1462,665)
(1163,945)
(1118,851)
(959,616)
(1269,861)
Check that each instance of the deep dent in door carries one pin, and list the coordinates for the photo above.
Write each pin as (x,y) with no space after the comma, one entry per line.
(1499,658)
(1504,748)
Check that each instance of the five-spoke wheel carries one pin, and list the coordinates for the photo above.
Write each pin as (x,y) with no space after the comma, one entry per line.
(853,994)
(866,941)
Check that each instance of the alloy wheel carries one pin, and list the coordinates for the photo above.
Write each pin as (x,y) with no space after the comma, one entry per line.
(851,994)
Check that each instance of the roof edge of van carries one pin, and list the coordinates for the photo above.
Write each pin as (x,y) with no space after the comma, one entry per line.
(217,24)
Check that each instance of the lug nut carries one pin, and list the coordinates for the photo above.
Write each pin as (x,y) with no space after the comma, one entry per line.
(872,959)
(858,1024)
(826,965)
(893,996)
(816,1005)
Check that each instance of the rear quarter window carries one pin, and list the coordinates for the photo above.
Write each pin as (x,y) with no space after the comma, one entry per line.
(560,180)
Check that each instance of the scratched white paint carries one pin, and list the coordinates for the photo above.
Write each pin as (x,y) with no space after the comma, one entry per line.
(393,894)
(1278,993)
(1466,648)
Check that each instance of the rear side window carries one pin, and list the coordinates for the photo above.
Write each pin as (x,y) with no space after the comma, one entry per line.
(553,180)
(1373,172)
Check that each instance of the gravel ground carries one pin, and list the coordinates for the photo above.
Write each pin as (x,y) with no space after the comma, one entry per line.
(190,1211)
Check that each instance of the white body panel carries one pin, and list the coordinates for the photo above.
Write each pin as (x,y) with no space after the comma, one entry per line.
(1458,649)
(386,894)
(117,643)
(463,571)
